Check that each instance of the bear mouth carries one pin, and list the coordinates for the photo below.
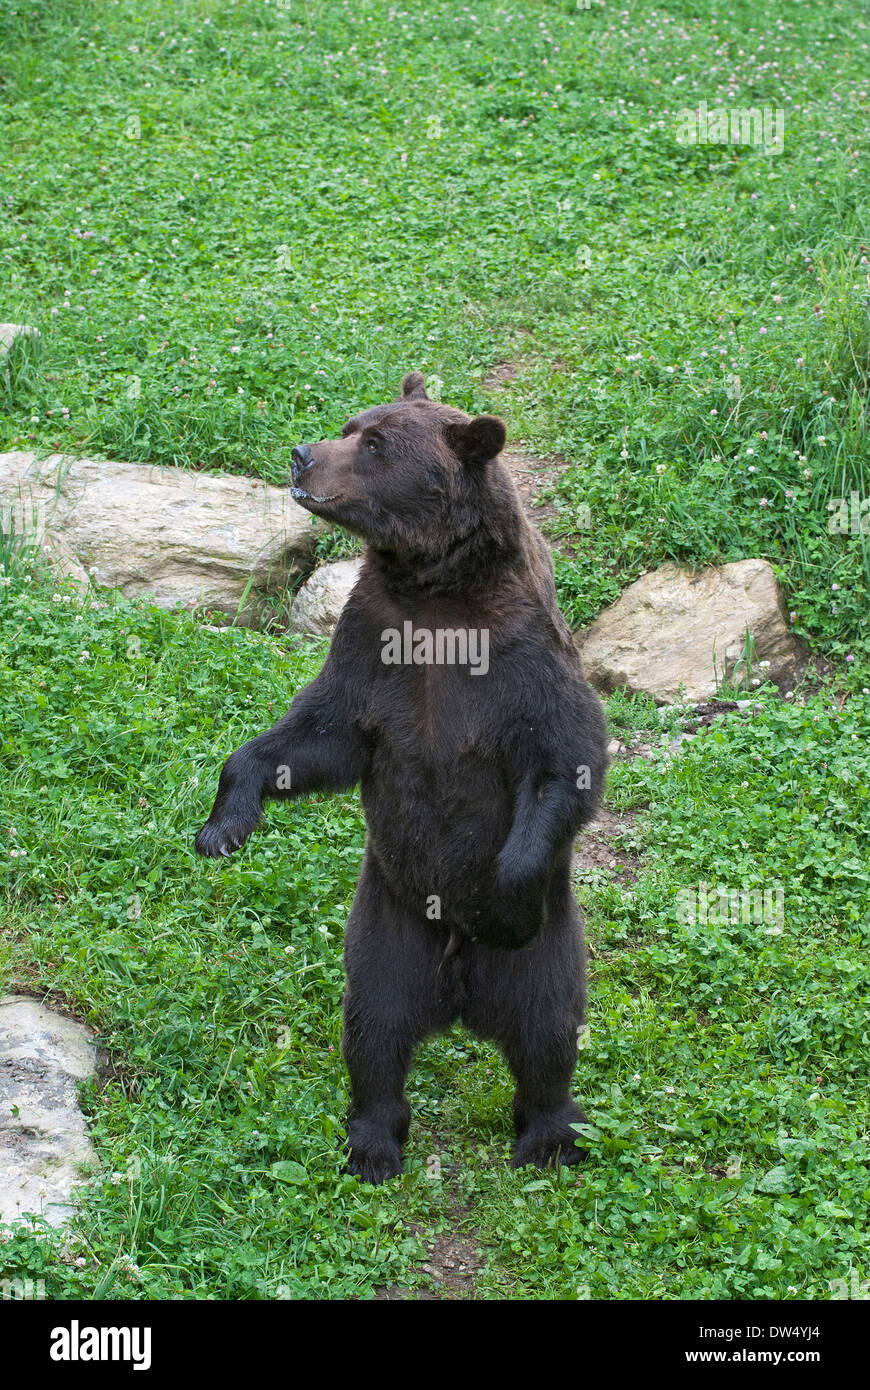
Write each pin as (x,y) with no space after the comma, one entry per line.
(300,495)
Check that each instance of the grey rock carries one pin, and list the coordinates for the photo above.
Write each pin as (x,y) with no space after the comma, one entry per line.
(170,534)
(44,1141)
(10,331)
(662,633)
(318,604)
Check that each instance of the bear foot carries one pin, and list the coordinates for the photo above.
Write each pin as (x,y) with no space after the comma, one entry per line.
(549,1140)
(376,1161)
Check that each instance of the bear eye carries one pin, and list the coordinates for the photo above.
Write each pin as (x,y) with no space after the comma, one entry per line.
(372,445)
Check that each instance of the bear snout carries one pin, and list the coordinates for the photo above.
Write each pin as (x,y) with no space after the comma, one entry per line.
(300,459)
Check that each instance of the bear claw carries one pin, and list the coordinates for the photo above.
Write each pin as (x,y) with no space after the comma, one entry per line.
(375,1163)
(213,842)
(547,1153)
(548,1145)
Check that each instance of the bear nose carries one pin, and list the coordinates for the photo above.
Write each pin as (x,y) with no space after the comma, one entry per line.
(301,459)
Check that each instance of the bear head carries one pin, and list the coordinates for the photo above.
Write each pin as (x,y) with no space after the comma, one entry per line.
(410,477)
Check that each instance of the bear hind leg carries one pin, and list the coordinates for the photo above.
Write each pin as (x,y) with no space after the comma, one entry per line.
(531,1004)
(544,1109)
(395,997)
(377,1044)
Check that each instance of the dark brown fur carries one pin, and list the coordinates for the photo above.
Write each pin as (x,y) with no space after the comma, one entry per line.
(474,785)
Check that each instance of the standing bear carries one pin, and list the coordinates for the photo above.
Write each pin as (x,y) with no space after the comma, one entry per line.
(452,692)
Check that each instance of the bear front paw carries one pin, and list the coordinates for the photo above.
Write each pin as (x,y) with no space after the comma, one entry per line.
(221,837)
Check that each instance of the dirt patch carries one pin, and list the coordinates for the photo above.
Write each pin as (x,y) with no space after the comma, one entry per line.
(503,373)
(501,376)
(452,1260)
(533,476)
(595,849)
(704,714)
(452,1263)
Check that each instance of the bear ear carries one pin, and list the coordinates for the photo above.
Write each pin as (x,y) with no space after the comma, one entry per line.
(478,440)
(414,387)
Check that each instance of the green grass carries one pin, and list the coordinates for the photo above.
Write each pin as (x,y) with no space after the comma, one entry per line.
(725,1072)
(234,224)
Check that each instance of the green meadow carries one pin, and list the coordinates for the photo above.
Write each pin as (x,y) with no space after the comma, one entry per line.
(234,225)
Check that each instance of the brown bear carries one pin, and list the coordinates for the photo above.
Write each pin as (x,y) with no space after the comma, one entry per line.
(452,692)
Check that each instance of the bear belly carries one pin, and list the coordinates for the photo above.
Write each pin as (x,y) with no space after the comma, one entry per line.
(435,833)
